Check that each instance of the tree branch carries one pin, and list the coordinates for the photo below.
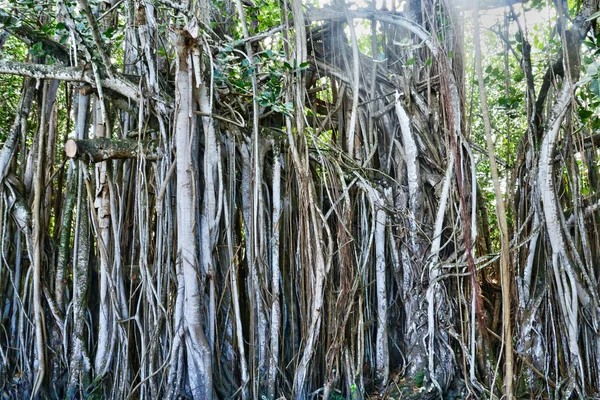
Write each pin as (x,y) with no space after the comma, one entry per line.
(27,34)
(398,19)
(117,84)
(96,35)
(102,149)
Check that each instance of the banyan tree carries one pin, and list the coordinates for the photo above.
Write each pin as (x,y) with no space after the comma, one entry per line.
(265,199)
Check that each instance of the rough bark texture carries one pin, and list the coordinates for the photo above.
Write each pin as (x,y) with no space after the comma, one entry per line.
(101,149)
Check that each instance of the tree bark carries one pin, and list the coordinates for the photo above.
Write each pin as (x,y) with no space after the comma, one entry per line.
(70,74)
(197,349)
(103,148)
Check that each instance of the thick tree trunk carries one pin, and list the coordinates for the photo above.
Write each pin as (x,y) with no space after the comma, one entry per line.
(275,272)
(80,363)
(102,203)
(197,348)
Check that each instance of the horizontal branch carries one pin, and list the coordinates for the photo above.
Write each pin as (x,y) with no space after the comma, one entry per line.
(333,14)
(70,74)
(102,149)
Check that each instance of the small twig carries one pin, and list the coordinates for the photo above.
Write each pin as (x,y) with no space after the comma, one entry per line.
(262,35)
(484,152)
(215,116)
(163,188)
(59,169)
(110,10)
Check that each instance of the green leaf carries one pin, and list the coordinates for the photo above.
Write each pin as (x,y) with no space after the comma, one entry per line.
(410,61)
(595,87)
(519,77)
(589,44)
(37,50)
(109,33)
(584,114)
